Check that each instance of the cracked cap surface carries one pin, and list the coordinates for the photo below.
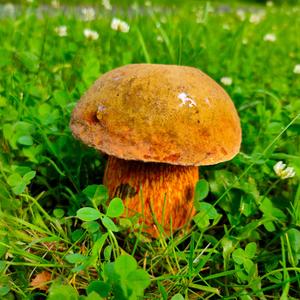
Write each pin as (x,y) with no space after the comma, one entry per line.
(158,113)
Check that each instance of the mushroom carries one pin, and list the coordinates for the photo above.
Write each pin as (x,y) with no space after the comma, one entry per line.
(157,123)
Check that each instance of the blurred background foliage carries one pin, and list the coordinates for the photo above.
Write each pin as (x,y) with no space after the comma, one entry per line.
(161,2)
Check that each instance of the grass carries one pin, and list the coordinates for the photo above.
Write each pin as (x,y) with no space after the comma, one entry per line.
(244,242)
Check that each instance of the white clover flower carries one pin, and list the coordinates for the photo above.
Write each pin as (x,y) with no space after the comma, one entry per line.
(226,80)
(55,4)
(9,9)
(270,37)
(159,38)
(282,171)
(257,17)
(254,19)
(91,34)
(269,3)
(106,4)
(241,14)
(88,14)
(61,30)
(297,69)
(119,25)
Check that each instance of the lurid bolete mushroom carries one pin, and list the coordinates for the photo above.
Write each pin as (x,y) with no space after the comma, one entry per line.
(157,123)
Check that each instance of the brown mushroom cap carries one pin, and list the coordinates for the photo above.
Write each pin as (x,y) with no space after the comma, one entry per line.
(159,113)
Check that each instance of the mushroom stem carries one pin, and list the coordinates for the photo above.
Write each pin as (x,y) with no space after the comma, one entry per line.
(160,193)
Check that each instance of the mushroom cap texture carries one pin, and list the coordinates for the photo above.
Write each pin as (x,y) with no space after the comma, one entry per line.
(159,113)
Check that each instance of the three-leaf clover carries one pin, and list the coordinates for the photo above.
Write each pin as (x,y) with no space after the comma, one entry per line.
(244,257)
(18,183)
(115,209)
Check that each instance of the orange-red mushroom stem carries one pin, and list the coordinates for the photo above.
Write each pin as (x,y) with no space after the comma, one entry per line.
(160,193)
